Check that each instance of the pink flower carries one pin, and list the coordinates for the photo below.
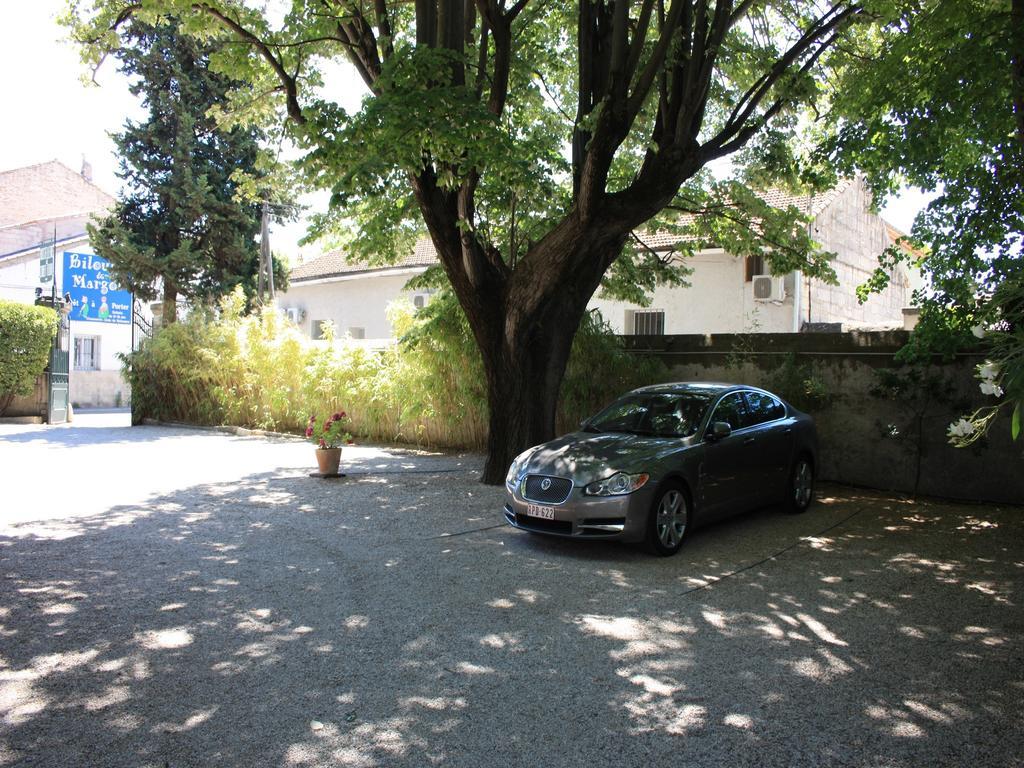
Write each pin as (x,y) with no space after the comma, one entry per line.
(309,431)
(338,416)
(323,443)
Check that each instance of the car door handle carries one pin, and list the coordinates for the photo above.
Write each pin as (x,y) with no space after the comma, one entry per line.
(748,441)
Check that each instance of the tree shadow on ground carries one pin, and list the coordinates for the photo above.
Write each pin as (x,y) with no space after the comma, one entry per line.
(383,620)
(73,435)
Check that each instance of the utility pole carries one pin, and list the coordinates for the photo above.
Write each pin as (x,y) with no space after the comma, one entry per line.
(266,260)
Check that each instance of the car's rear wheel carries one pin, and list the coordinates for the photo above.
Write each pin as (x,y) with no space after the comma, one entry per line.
(801,485)
(668,521)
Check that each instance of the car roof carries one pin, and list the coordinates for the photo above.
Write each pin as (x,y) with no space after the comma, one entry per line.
(712,388)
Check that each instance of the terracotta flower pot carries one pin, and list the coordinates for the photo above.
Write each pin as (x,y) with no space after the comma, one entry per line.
(328,459)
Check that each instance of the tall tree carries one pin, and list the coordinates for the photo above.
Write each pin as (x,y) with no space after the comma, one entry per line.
(180,225)
(959,131)
(531,139)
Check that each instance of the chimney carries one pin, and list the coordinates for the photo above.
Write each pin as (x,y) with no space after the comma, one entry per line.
(86,169)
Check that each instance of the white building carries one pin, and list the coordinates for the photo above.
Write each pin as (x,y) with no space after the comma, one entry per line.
(726,294)
(44,209)
(355,297)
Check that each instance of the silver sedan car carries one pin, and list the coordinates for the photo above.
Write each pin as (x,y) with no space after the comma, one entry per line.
(660,459)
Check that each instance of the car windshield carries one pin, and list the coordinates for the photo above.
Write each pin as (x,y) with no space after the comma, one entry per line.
(660,414)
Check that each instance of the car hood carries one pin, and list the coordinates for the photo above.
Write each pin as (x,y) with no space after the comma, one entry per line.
(585,456)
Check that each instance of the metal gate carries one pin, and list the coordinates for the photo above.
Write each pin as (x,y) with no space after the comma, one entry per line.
(142,329)
(58,374)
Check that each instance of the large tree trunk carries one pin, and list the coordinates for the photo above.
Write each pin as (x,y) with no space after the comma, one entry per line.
(525,336)
(524,378)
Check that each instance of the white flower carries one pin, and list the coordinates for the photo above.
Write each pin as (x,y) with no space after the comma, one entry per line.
(961,428)
(979,331)
(989,371)
(991,388)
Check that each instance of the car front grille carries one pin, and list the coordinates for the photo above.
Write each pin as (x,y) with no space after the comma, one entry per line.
(557,490)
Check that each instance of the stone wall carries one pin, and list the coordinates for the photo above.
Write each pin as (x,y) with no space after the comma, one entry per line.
(99,389)
(866,439)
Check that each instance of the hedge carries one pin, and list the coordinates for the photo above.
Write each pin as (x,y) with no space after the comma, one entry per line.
(26,333)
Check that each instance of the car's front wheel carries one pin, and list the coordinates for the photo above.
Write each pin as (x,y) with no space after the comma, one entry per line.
(801,485)
(668,521)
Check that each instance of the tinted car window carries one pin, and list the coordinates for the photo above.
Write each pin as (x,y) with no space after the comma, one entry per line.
(763,407)
(662,414)
(731,411)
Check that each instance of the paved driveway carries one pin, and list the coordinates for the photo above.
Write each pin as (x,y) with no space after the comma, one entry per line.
(171,597)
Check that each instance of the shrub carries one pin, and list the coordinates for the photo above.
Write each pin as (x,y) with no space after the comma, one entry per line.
(600,369)
(429,389)
(26,333)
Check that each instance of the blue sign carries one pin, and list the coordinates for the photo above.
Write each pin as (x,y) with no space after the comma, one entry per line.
(94,298)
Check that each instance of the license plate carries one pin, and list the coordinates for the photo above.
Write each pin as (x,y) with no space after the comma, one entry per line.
(535,510)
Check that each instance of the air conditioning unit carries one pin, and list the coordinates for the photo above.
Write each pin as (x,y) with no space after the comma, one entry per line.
(294,314)
(769,288)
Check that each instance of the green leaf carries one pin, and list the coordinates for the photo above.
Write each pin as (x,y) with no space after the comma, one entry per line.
(1015,422)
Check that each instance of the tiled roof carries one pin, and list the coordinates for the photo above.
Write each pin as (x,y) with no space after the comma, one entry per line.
(806,204)
(47,191)
(896,238)
(334,264)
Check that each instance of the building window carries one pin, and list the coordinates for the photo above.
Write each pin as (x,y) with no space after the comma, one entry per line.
(46,264)
(755,266)
(318,329)
(357,333)
(87,353)
(649,322)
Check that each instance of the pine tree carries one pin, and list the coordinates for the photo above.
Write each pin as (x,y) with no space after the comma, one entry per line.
(179,226)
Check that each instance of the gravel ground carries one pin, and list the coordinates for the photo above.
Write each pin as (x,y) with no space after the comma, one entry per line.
(173,597)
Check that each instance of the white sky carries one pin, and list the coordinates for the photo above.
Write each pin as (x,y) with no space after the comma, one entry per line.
(52,114)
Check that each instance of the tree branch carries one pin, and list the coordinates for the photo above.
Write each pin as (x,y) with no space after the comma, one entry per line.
(645,247)
(362,46)
(636,48)
(500,25)
(645,80)
(384,25)
(750,100)
(724,143)
(287,81)
(740,11)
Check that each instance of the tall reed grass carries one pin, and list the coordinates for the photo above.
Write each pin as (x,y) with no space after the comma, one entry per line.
(220,367)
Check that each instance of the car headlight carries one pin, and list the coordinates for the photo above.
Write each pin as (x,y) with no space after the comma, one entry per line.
(618,484)
(514,471)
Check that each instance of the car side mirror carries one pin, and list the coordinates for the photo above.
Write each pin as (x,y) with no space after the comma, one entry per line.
(719,430)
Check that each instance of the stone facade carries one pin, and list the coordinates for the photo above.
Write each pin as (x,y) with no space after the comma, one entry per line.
(848,228)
